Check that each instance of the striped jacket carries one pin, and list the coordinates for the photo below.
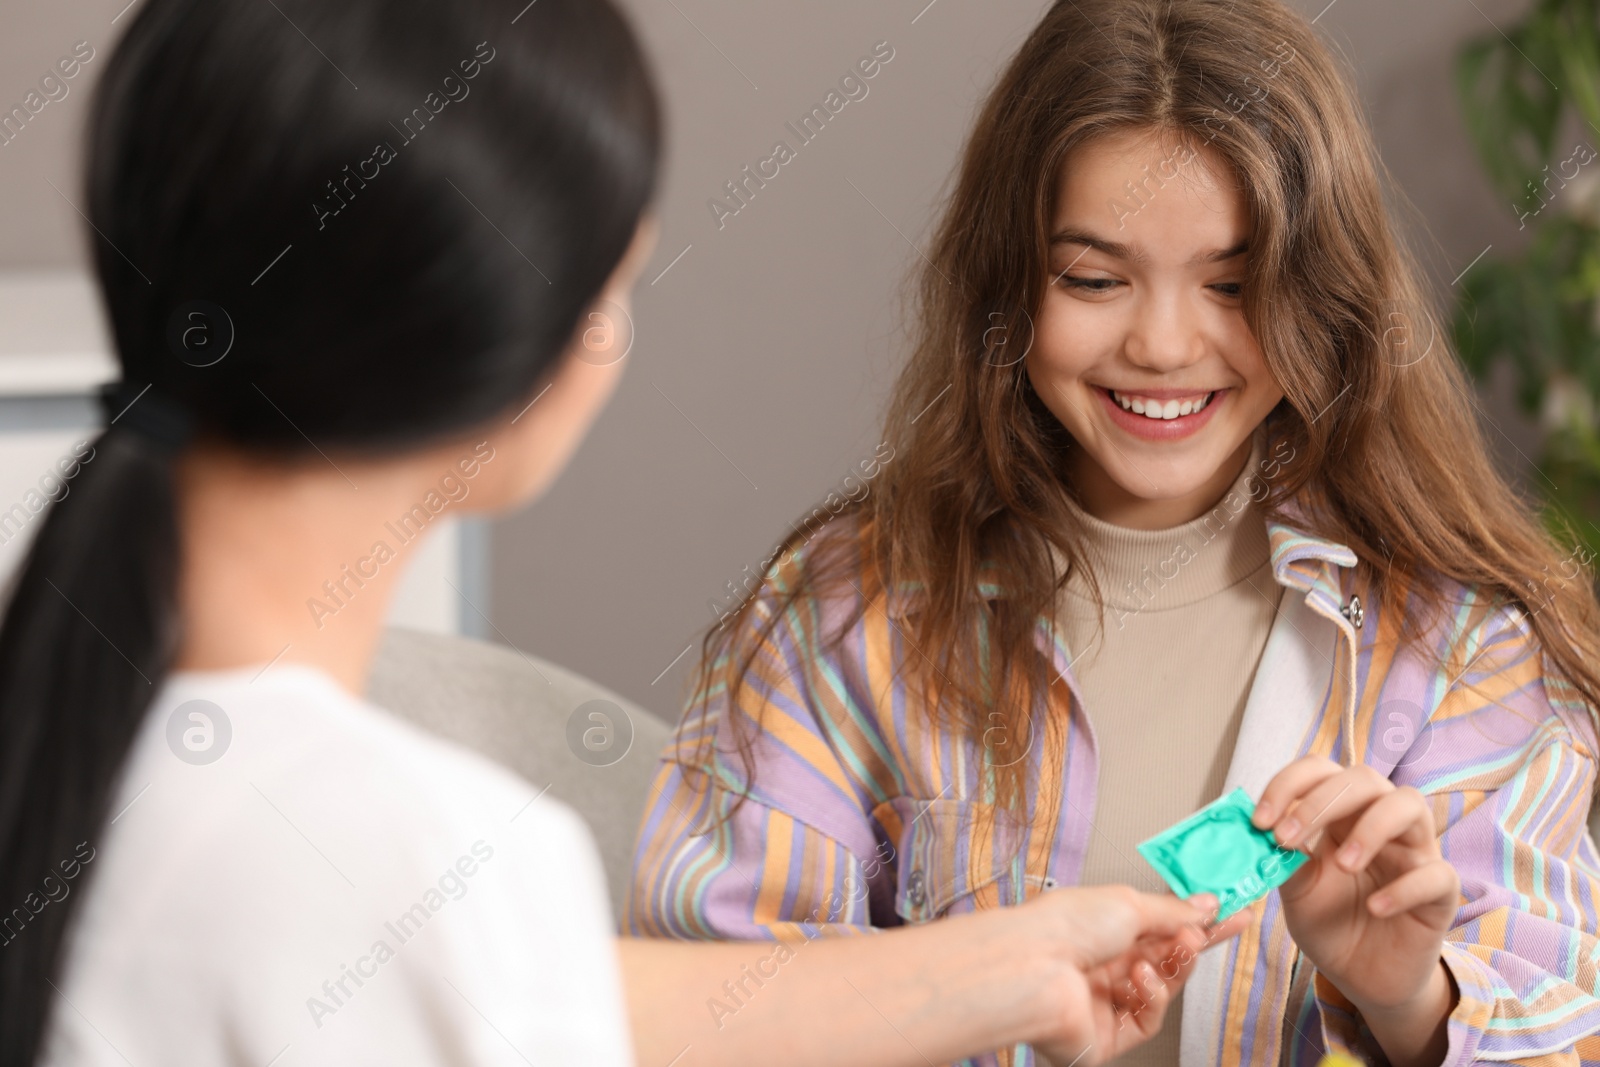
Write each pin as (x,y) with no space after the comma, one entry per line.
(863,817)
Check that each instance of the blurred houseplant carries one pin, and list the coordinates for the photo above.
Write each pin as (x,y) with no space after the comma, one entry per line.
(1519,89)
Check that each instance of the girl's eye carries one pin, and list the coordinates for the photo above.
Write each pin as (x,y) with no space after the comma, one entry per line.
(1092,285)
(1102,285)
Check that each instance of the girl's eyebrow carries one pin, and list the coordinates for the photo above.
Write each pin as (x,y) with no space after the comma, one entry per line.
(1133,254)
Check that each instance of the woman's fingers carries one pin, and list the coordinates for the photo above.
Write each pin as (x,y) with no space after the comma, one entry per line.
(1190,942)
(1164,915)
(1106,921)
(1174,957)
(1119,932)
(1140,984)
(1435,882)
(1233,925)
(1401,816)
(1142,1004)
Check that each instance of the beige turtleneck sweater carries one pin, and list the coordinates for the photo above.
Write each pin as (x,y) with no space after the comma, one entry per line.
(1164,684)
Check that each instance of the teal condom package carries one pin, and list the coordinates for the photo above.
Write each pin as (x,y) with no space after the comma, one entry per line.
(1217,851)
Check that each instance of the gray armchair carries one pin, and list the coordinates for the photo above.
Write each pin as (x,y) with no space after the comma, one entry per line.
(519,711)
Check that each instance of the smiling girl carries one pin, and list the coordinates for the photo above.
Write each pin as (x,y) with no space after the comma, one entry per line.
(1189,495)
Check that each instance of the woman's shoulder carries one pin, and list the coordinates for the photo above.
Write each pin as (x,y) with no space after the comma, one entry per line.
(225,763)
(358,767)
(296,721)
(272,835)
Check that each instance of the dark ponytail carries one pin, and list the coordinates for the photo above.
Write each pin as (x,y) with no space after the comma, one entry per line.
(230,171)
(89,630)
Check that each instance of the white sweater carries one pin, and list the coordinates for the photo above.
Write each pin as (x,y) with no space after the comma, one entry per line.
(335,887)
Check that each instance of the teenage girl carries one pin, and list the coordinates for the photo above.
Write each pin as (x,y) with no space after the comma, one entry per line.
(1188,494)
(356,259)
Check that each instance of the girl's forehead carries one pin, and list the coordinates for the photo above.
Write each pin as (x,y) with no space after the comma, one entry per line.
(1143,195)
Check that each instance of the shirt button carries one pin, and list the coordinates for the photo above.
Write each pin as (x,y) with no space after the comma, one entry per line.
(1049,882)
(1354,612)
(914,891)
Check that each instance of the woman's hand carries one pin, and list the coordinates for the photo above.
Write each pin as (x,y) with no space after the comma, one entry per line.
(1080,974)
(1373,904)
(1129,954)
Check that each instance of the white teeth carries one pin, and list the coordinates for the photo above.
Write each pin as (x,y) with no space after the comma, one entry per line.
(1155,409)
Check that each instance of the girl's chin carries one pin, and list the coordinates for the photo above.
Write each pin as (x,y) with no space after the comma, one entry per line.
(1148,491)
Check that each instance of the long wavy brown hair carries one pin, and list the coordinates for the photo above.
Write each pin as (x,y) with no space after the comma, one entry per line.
(1388,455)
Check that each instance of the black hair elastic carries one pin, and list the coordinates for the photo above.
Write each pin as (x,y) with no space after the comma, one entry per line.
(148,412)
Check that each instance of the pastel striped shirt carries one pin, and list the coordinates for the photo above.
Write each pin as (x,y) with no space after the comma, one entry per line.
(862,816)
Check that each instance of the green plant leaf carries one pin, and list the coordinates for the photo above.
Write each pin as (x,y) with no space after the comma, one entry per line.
(1510,109)
(1577,42)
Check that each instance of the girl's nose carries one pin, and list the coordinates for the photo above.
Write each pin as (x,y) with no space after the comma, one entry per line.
(1164,335)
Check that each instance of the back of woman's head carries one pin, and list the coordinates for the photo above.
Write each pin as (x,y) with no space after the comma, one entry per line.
(358,228)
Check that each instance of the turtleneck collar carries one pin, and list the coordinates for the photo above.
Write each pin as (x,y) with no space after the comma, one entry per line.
(1157,570)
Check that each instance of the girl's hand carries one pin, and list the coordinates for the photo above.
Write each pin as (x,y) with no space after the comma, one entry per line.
(1373,904)
(1132,953)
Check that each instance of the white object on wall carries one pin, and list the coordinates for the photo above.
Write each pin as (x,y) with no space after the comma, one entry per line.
(423,599)
(53,336)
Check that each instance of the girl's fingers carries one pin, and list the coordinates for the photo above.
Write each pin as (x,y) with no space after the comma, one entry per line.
(1288,785)
(1401,816)
(1435,882)
(1335,798)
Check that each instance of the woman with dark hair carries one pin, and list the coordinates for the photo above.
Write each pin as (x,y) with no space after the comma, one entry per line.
(364,261)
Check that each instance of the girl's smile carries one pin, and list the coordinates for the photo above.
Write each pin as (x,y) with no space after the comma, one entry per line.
(1161,414)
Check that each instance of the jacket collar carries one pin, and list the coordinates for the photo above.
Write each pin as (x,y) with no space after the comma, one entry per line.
(1300,560)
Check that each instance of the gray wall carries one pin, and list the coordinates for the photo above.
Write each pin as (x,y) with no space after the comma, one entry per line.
(764,354)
